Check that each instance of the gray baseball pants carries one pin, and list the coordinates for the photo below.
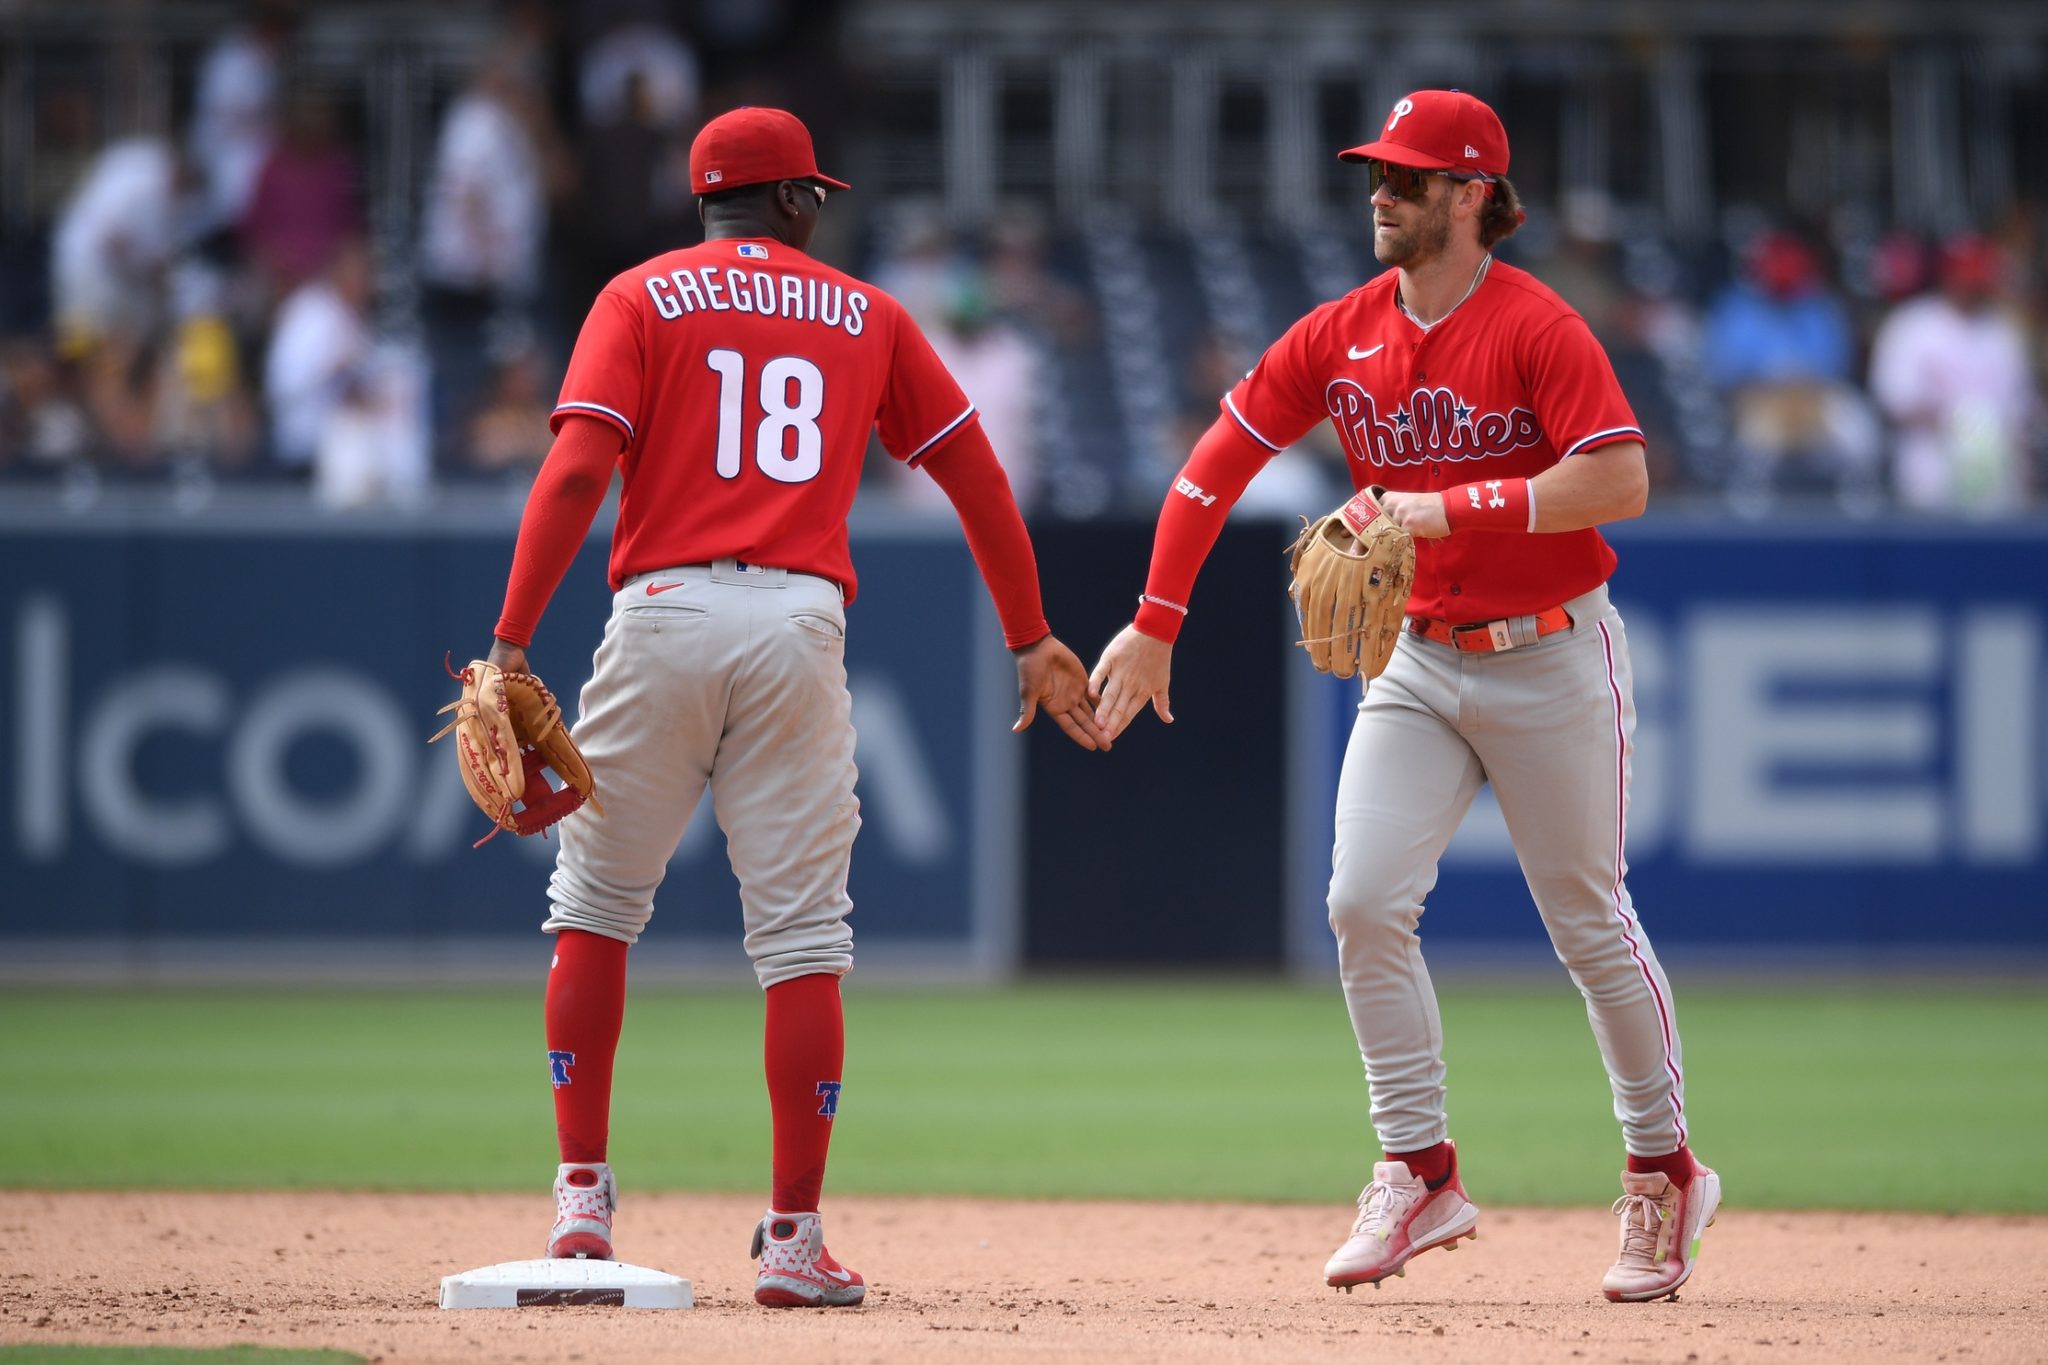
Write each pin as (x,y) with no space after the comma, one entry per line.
(731,677)
(1549,725)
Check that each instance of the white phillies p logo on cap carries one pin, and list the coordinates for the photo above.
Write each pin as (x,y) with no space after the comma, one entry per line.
(1401,111)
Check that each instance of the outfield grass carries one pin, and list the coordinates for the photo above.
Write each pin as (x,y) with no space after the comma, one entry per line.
(1160,1091)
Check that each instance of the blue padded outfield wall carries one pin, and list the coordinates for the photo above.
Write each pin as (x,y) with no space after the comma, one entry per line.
(217,730)
(1839,743)
(222,733)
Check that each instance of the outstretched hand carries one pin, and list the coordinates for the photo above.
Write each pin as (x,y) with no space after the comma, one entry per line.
(1050,679)
(1134,669)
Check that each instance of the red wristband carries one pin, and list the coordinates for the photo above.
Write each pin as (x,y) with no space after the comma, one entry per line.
(1490,505)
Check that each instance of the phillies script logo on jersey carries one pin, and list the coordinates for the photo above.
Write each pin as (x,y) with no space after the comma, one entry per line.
(1434,424)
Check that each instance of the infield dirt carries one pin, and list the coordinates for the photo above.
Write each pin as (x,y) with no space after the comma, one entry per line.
(956,1279)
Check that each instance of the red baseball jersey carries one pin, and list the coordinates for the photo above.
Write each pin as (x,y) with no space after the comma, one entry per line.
(747,378)
(1503,386)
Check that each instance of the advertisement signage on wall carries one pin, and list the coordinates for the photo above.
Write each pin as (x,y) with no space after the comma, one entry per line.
(221,734)
(1839,744)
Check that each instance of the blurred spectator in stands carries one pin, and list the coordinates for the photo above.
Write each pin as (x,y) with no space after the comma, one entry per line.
(1582,264)
(114,239)
(919,265)
(639,69)
(509,434)
(1307,478)
(998,369)
(235,106)
(205,416)
(1778,345)
(635,200)
(1951,370)
(44,428)
(484,220)
(306,200)
(1635,334)
(319,348)
(121,371)
(344,406)
(1024,288)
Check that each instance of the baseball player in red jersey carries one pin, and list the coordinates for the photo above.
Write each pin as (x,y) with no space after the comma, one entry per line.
(734,385)
(1480,400)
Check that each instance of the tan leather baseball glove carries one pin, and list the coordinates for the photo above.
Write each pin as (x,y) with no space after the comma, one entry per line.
(508,731)
(1352,571)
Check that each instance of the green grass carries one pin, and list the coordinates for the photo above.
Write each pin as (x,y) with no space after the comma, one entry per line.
(1843,1099)
(165,1355)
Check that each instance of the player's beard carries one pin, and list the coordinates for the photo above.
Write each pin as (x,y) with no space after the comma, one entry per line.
(1425,241)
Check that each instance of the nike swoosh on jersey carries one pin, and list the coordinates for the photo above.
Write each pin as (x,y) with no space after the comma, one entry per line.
(843,1276)
(653,588)
(1357,354)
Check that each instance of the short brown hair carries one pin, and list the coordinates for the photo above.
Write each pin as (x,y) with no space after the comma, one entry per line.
(1502,214)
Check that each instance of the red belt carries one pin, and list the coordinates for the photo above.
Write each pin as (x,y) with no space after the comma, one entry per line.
(1484,637)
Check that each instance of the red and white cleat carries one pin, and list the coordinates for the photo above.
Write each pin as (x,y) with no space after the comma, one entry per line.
(1400,1217)
(796,1270)
(1660,1233)
(585,1198)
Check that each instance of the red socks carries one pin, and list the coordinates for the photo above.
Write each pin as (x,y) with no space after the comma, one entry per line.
(586,1005)
(1432,1164)
(1678,1167)
(805,1047)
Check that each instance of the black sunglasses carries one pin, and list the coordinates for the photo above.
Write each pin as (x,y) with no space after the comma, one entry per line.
(1407,182)
(818,190)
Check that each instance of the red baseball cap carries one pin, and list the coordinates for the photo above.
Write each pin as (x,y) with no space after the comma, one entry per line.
(753,146)
(1439,130)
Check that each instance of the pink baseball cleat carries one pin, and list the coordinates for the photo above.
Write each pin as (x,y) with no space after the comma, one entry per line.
(1400,1217)
(585,1197)
(796,1270)
(1660,1233)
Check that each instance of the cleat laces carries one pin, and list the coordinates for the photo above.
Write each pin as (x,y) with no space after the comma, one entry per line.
(1380,1207)
(1645,1230)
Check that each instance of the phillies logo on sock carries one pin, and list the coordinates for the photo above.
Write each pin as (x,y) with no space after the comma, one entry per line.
(830,1090)
(558,1067)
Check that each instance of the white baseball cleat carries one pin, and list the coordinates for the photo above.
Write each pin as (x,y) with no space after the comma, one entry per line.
(1400,1217)
(796,1270)
(1660,1233)
(585,1197)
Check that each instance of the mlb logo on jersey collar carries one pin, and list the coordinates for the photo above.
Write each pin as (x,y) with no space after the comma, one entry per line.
(753,251)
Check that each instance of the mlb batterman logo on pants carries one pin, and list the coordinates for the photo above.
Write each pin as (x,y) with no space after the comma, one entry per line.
(1484,407)
(735,385)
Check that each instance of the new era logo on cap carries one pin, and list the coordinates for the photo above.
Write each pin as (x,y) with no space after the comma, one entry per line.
(1471,152)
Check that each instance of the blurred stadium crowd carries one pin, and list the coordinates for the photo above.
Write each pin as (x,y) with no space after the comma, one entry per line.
(210,286)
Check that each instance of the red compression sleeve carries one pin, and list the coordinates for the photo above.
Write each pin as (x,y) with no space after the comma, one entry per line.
(967,469)
(559,509)
(1210,483)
